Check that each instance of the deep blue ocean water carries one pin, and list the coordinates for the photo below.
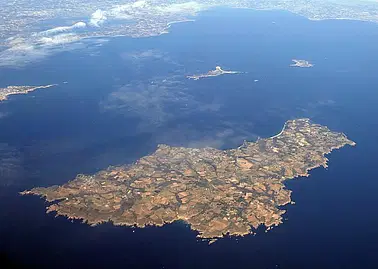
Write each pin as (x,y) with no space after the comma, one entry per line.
(63,131)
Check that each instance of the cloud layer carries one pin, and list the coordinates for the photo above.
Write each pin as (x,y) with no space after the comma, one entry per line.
(98,18)
(22,50)
(141,8)
(62,29)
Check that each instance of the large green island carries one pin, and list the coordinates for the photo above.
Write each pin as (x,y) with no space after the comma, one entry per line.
(217,192)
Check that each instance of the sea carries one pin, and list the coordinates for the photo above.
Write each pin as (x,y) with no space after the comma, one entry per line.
(118,98)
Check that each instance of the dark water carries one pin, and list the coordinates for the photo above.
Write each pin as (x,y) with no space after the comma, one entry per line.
(60,132)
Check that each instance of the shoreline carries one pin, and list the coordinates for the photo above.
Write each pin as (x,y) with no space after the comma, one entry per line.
(21,90)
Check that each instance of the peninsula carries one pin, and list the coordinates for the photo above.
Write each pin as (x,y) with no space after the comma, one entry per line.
(213,73)
(11,90)
(217,192)
(301,63)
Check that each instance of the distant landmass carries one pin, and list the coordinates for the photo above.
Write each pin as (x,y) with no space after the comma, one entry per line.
(301,63)
(24,38)
(213,73)
(11,90)
(217,192)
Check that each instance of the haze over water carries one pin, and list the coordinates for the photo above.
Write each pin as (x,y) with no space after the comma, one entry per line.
(89,123)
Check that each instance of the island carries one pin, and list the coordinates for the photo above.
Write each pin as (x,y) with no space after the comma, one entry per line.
(217,192)
(213,73)
(301,63)
(11,90)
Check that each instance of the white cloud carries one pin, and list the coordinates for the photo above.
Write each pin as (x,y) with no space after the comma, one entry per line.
(140,4)
(62,29)
(185,8)
(20,55)
(125,12)
(140,8)
(58,39)
(22,50)
(98,17)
